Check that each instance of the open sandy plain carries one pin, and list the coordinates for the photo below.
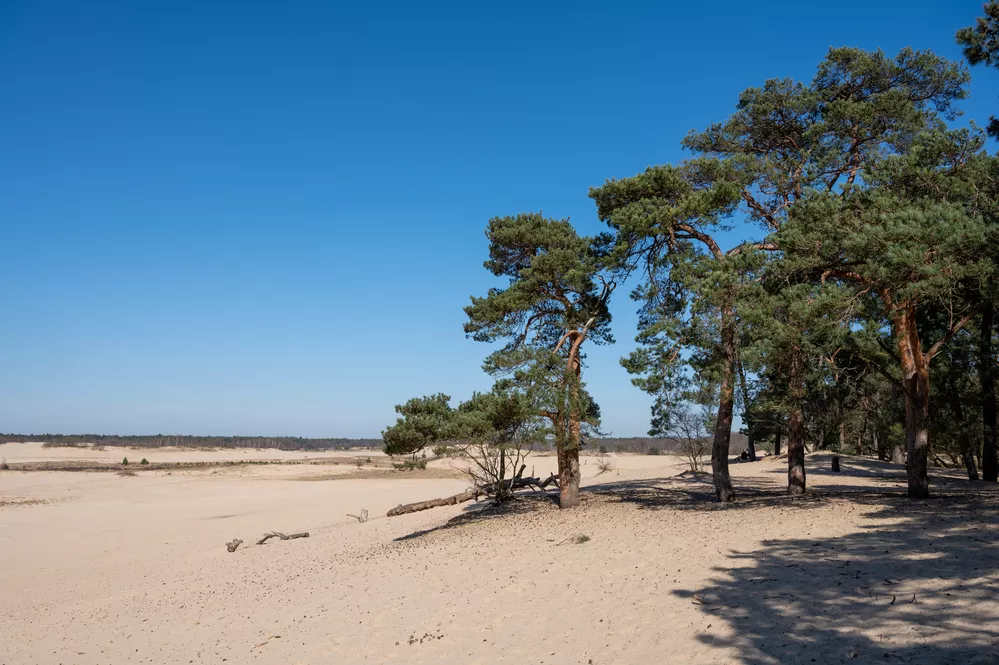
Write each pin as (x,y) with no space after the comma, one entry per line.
(97,567)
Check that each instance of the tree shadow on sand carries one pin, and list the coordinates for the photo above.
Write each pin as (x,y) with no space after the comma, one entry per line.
(922,588)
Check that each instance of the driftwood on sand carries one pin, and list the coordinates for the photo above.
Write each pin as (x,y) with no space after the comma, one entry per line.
(278,534)
(468,495)
(233,544)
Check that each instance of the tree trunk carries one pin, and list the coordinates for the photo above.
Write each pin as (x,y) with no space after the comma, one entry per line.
(916,386)
(796,452)
(752,444)
(723,424)
(987,378)
(964,441)
(568,476)
(568,455)
(796,429)
(777,442)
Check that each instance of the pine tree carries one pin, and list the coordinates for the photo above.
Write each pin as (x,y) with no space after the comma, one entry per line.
(555,300)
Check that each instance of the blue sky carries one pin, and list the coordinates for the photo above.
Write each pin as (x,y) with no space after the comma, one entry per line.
(265,218)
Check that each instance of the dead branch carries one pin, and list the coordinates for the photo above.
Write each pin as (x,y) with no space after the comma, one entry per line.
(468,495)
(233,544)
(278,534)
(362,518)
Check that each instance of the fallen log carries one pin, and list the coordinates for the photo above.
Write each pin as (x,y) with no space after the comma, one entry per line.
(278,534)
(468,495)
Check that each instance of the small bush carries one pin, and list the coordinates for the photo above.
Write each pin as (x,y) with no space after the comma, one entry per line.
(124,461)
(3,465)
(412,464)
(654,451)
(603,450)
(604,464)
(581,538)
(144,461)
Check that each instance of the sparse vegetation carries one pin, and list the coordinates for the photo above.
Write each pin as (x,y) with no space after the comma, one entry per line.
(124,461)
(144,461)
(411,464)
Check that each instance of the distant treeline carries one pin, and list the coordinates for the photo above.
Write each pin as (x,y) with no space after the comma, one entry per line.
(653,446)
(163,440)
(643,445)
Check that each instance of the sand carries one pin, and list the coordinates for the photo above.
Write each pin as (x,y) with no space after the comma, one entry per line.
(99,568)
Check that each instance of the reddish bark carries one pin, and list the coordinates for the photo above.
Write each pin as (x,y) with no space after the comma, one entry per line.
(916,387)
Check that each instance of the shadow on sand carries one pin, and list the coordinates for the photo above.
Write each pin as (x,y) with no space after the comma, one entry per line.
(917,583)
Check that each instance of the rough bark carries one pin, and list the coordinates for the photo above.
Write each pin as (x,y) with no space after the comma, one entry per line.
(987,378)
(568,452)
(568,477)
(796,428)
(916,386)
(723,424)
(796,452)
(752,444)
(777,442)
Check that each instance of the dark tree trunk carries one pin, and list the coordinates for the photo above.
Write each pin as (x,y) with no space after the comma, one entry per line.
(964,441)
(777,442)
(796,452)
(752,444)
(726,402)
(916,386)
(568,452)
(796,429)
(987,378)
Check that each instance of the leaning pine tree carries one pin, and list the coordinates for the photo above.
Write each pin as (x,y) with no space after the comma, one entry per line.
(555,300)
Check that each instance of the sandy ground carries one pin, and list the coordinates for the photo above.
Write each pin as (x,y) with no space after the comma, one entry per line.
(99,568)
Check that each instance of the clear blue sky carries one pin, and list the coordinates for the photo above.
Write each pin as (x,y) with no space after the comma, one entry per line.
(265,218)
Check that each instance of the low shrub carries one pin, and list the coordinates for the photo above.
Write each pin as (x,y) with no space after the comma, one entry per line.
(144,461)
(412,464)
(124,461)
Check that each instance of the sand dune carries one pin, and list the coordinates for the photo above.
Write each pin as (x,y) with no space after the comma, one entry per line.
(97,568)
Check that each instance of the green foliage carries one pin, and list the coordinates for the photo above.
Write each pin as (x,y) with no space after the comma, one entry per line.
(144,461)
(424,421)
(124,461)
(411,464)
(555,299)
(981,45)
